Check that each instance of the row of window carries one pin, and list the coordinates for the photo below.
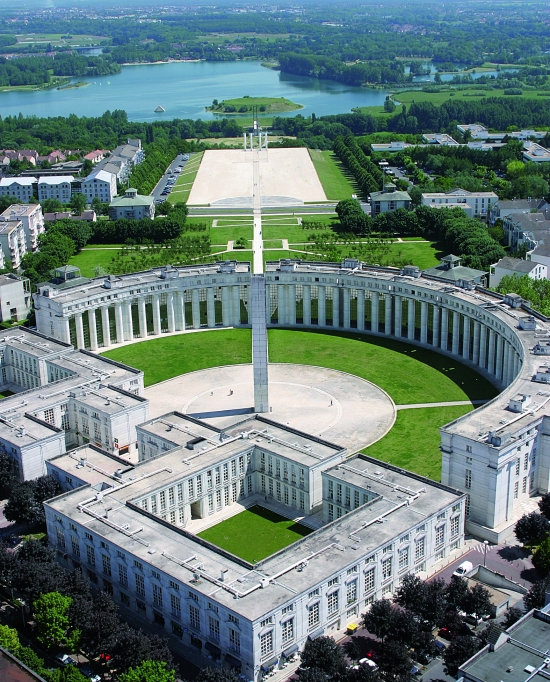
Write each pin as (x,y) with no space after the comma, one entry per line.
(283,493)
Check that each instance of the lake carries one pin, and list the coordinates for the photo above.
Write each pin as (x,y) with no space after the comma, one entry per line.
(184,89)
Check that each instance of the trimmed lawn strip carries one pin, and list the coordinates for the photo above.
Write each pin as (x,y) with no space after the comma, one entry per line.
(413,443)
(408,373)
(87,260)
(184,183)
(165,358)
(335,184)
(255,533)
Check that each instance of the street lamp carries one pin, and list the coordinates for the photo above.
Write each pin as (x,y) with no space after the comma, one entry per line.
(485,545)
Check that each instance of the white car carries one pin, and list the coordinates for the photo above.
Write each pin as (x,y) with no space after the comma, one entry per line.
(65,659)
(465,567)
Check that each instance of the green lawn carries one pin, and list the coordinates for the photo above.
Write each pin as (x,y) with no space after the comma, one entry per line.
(255,533)
(168,357)
(87,260)
(184,183)
(6,394)
(409,374)
(437,98)
(335,184)
(413,443)
(273,105)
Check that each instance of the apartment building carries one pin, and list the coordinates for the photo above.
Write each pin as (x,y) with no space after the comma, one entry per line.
(32,219)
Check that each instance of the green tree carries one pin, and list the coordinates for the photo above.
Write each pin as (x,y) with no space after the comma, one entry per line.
(52,206)
(217,675)
(544,505)
(541,557)
(536,597)
(458,652)
(477,601)
(323,653)
(532,529)
(149,671)
(378,618)
(78,202)
(51,613)
(80,231)
(9,639)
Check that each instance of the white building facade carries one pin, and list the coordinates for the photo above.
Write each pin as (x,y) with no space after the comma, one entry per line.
(31,218)
(55,187)
(100,184)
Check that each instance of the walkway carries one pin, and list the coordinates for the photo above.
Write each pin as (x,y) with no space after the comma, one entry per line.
(257,243)
(452,403)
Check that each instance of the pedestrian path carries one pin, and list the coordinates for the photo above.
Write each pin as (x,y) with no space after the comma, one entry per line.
(452,403)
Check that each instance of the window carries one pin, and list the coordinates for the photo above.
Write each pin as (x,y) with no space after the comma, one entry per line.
(49,417)
(60,537)
(387,549)
(524,485)
(138,564)
(332,602)
(194,617)
(439,536)
(351,591)
(75,544)
(313,593)
(455,525)
(175,605)
(266,643)
(468,448)
(353,569)
(162,497)
(171,498)
(90,555)
(122,574)
(233,619)
(419,549)
(155,574)
(177,629)
(517,467)
(140,585)
(468,481)
(333,581)
(157,594)
(287,630)
(387,568)
(267,621)
(213,627)
(403,559)
(89,536)
(174,585)
(234,640)
(369,579)
(313,615)
(516,490)
(526,461)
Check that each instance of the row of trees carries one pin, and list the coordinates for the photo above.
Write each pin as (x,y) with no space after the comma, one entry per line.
(536,291)
(158,156)
(367,175)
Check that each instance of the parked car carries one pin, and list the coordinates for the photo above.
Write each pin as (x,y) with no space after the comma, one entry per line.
(90,674)
(369,663)
(464,568)
(416,671)
(64,659)
(440,646)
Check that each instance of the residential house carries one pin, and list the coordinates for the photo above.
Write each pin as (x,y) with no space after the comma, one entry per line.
(88,215)
(132,205)
(32,219)
(15,298)
(526,230)
(475,204)
(122,159)
(22,188)
(12,241)
(504,207)
(55,187)
(516,266)
(540,254)
(389,199)
(96,156)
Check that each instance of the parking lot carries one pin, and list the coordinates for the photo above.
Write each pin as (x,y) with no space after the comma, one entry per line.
(167,181)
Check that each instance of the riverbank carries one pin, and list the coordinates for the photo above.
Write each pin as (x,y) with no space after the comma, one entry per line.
(167,61)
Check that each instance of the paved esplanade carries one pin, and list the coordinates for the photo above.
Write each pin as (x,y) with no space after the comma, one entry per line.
(258,313)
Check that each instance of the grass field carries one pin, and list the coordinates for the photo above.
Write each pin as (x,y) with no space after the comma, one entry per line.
(273,105)
(255,534)
(413,443)
(437,98)
(88,259)
(335,184)
(184,183)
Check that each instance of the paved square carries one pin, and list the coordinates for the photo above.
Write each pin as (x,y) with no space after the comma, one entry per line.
(227,174)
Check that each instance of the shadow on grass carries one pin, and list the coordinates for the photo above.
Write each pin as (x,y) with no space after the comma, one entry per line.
(473,384)
(272,516)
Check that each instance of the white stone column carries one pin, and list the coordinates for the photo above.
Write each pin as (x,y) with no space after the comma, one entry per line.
(505,363)
(466,338)
(236,306)
(79,330)
(65,331)
(106,327)
(346,311)
(517,365)
(498,367)
(322,307)
(93,329)
(444,328)
(435,326)
(411,317)
(398,315)
(387,321)
(142,315)
(210,308)
(306,305)
(456,331)
(374,312)
(226,307)
(180,307)
(119,323)
(335,306)
(195,308)
(291,304)
(482,345)
(423,322)
(491,358)
(170,311)
(156,315)
(360,310)
(475,356)
(129,333)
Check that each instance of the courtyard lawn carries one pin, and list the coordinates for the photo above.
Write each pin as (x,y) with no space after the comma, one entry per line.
(255,534)
(409,374)
(165,358)
(413,443)
(88,259)
(331,175)
(184,183)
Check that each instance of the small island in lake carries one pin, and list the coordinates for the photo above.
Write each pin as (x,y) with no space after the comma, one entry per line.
(245,105)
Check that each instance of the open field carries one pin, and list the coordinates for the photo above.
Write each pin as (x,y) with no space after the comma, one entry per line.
(331,174)
(272,105)
(255,533)
(228,173)
(185,180)
(437,98)
(56,39)
(88,259)
(413,443)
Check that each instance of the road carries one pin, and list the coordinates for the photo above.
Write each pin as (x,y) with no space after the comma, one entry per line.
(161,184)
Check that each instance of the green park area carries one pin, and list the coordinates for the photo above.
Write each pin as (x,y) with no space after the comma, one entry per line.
(243,105)
(337,182)
(467,93)
(184,183)
(255,533)
(410,375)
